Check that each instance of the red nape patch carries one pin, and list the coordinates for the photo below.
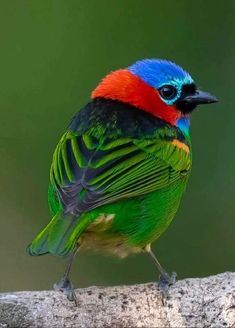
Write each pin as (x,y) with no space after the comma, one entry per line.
(124,86)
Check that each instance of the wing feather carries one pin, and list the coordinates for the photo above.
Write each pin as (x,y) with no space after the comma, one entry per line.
(88,172)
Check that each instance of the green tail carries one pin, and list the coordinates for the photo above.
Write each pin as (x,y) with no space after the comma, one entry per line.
(59,236)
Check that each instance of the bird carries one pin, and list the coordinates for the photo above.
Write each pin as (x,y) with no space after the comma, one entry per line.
(120,169)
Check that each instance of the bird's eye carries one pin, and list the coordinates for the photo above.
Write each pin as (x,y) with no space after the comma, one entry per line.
(168,92)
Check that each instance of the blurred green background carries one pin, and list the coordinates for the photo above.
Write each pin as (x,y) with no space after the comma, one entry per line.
(53,53)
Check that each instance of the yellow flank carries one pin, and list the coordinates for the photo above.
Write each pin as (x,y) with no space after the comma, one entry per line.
(180,145)
(97,237)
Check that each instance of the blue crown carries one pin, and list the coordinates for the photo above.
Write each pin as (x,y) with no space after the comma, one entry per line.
(157,72)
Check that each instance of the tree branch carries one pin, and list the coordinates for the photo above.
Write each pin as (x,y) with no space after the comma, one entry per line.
(206,302)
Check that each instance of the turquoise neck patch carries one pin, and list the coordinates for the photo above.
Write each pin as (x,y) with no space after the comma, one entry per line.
(183,124)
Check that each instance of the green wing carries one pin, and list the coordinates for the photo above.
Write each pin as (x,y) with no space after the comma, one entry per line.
(88,172)
(91,169)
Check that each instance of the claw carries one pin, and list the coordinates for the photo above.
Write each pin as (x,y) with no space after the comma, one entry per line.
(165,281)
(65,286)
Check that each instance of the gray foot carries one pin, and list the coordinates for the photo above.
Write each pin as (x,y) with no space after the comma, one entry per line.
(65,286)
(165,281)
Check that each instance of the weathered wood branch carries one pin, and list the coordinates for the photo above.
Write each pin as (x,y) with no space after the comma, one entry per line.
(206,302)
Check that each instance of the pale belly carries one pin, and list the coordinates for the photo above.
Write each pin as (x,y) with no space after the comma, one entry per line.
(98,237)
(128,226)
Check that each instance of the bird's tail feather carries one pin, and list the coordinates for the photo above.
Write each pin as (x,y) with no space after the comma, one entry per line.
(59,236)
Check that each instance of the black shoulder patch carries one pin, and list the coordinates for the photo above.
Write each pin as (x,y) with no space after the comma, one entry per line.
(116,115)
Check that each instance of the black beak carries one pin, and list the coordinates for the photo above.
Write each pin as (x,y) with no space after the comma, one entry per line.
(188,102)
(199,97)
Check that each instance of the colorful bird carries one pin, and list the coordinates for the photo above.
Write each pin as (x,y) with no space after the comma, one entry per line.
(119,171)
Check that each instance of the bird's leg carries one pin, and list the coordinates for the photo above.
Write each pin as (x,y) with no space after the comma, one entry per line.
(165,280)
(65,285)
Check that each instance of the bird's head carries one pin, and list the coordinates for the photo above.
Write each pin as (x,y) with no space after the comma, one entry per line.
(156,86)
